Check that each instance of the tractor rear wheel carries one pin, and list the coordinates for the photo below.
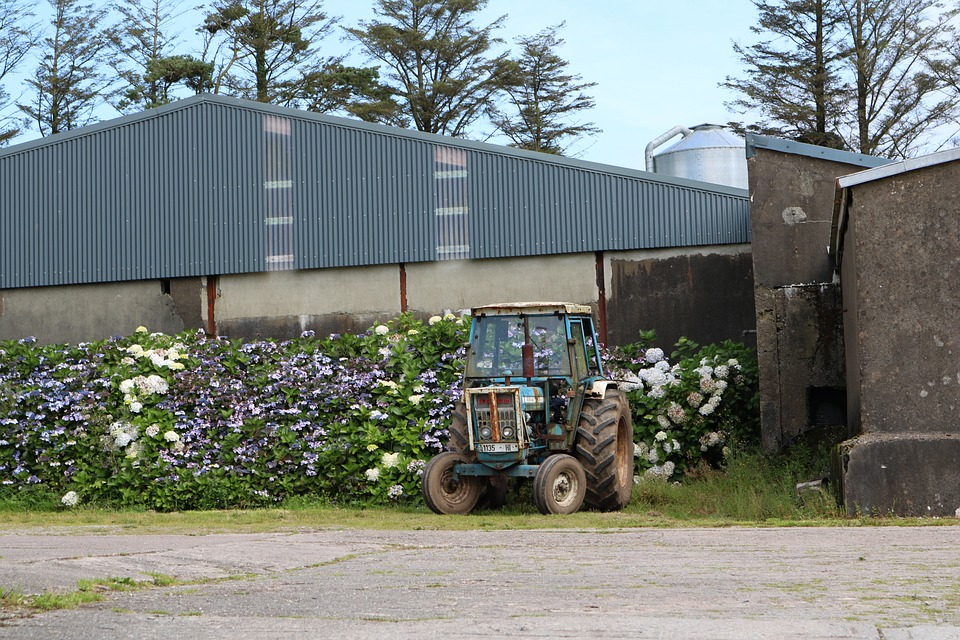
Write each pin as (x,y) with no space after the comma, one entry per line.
(605,448)
(560,485)
(444,494)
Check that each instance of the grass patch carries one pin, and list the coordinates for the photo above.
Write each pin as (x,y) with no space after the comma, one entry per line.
(88,590)
(753,490)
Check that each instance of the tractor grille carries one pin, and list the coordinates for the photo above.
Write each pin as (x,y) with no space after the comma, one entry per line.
(506,417)
(496,415)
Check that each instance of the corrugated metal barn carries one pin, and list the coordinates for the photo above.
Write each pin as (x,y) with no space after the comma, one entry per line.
(215,186)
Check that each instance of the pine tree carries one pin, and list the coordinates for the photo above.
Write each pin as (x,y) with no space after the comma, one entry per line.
(793,79)
(16,40)
(544,97)
(854,74)
(439,73)
(143,46)
(260,46)
(68,84)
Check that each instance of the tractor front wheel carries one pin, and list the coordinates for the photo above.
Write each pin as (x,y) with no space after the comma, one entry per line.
(605,448)
(442,492)
(560,485)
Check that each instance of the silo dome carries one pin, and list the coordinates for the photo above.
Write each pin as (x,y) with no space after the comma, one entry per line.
(708,153)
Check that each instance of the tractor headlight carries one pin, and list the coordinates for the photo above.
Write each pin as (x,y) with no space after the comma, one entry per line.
(508,433)
(486,433)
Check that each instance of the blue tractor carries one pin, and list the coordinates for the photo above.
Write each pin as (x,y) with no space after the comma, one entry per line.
(536,404)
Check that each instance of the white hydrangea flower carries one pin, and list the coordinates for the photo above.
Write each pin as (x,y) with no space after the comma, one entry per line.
(676,413)
(372,474)
(70,499)
(415,399)
(653,355)
(416,466)
(390,460)
(660,436)
(171,436)
(653,455)
(663,421)
(434,320)
(152,430)
(722,371)
(381,329)
(121,440)
(707,384)
(136,407)
(413,332)
(449,316)
(640,450)
(694,399)
(395,492)
(126,386)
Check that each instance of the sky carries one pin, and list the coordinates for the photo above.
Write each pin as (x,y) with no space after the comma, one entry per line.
(657,64)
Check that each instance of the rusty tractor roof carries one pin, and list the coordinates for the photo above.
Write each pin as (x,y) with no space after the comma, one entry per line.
(531,308)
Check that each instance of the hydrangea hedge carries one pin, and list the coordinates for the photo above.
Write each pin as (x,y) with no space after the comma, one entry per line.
(193,422)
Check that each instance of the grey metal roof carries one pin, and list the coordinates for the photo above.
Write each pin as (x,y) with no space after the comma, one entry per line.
(841,207)
(755,141)
(896,168)
(215,185)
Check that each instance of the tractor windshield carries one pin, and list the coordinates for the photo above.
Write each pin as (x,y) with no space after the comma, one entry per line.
(497,342)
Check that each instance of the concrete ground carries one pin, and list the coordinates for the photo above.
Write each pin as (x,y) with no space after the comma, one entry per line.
(859,582)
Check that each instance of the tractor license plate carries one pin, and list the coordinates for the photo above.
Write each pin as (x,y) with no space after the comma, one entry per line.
(498,447)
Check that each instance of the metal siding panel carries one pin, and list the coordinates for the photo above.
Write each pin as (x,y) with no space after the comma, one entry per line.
(182,194)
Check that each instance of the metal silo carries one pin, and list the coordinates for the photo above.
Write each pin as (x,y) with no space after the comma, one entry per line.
(707,152)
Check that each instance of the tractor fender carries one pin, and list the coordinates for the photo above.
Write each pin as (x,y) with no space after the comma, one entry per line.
(598,389)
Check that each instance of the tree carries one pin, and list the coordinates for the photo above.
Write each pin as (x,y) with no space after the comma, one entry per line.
(143,54)
(68,84)
(544,97)
(262,46)
(439,74)
(855,74)
(336,87)
(15,42)
(896,93)
(793,80)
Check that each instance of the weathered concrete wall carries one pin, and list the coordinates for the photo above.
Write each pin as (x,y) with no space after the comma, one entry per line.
(702,293)
(905,474)
(899,270)
(462,284)
(801,364)
(705,295)
(799,322)
(79,313)
(906,232)
(283,304)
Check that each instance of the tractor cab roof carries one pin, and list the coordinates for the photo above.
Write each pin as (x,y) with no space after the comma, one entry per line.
(532,308)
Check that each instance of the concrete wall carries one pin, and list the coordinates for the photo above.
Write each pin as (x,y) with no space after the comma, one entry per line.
(902,285)
(462,284)
(899,270)
(72,314)
(799,322)
(283,304)
(704,294)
